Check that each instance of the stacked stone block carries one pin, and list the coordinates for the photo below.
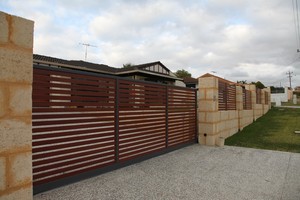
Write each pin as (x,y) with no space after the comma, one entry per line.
(214,125)
(16,44)
(208,115)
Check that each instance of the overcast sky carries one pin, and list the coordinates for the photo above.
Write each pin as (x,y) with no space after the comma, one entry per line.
(238,40)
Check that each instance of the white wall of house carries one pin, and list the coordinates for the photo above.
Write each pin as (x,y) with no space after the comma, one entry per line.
(281,97)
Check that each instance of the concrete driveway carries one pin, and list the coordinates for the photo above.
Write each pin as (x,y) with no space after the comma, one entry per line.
(195,172)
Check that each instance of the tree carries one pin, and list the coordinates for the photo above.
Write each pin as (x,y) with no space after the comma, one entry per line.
(127,65)
(259,84)
(183,73)
(242,82)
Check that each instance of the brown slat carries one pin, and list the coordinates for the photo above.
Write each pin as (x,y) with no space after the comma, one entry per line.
(55,122)
(63,110)
(70,115)
(154,112)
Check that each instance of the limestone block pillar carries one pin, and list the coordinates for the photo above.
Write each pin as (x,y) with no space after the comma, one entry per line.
(16,44)
(239,106)
(252,88)
(208,116)
(263,99)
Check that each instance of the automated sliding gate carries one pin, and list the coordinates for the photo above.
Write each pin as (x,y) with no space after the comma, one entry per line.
(85,124)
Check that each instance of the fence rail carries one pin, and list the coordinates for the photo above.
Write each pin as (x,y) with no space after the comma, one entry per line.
(84,121)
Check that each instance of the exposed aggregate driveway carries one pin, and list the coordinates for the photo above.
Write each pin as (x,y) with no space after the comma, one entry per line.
(195,172)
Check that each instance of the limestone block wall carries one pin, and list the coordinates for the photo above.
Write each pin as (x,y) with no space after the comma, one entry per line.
(228,124)
(215,125)
(246,118)
(16,44)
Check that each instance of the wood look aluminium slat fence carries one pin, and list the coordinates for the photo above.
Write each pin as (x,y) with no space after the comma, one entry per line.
(227,96)
(258,96)
(266,98)
(247,104)
(83,121)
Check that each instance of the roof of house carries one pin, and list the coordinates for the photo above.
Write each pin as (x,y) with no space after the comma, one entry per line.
(224,80)
(88,66)
(190,80)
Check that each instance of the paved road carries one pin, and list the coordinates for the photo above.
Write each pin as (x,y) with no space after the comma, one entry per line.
(195,172)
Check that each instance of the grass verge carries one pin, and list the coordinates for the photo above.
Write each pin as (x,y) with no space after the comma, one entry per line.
(274,131)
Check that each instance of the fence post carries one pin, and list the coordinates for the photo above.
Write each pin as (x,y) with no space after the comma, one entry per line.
(252,88)
(208,116)
(167,115)
(117,120)
(239,106)
(16,44)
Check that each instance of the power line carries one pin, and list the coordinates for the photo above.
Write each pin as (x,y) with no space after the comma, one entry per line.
(86,46)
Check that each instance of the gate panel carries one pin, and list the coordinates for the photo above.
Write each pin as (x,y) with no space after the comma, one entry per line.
(73,124)
(84,122)
(181,116)
(142,118)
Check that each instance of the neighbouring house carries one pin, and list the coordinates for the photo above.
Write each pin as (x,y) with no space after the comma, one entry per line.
(191,82)
(154,71)
(281,94)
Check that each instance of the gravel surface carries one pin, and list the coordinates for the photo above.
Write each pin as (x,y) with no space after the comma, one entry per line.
(195,172)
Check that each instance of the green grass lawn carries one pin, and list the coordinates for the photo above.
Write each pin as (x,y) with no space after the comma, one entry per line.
(274,131)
